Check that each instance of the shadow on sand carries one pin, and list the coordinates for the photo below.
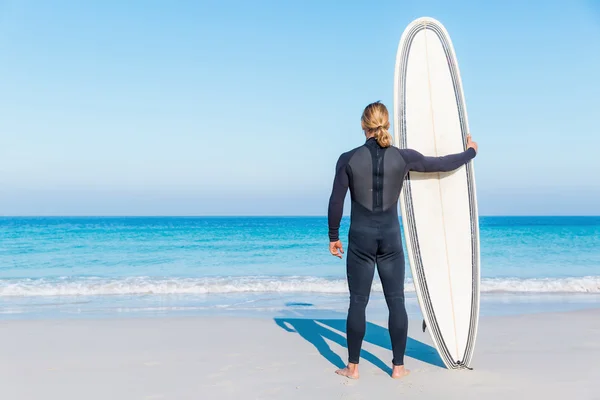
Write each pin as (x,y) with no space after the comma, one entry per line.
(315,331)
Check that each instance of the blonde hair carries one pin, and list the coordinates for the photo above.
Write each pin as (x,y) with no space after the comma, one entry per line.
(375,121)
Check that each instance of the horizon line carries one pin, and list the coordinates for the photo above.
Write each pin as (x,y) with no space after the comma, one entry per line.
(267,216)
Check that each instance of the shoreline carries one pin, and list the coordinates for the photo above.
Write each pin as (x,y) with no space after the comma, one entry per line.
(266,305)
(289,357)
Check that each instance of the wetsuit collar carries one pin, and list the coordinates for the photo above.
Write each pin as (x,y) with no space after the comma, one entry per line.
(371,142)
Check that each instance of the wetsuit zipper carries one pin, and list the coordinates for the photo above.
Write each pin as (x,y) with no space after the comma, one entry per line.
(378,182)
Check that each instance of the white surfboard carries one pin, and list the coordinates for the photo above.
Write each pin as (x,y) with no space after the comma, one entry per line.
(439,210)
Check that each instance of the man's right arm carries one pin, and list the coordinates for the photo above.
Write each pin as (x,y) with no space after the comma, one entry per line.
(416,161)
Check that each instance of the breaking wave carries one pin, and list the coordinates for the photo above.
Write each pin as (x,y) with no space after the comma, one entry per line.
(223,285)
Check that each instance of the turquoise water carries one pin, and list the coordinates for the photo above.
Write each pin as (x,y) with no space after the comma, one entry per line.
(142,266)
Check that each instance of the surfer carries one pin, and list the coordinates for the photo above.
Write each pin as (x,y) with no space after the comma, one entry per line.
(374,172)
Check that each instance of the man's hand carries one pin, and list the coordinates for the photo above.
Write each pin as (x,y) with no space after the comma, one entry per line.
(471,143)
(336,249)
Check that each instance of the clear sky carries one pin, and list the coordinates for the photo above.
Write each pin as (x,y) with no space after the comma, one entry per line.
(242,107)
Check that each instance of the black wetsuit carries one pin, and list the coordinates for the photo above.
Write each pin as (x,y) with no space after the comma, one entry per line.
(375,176)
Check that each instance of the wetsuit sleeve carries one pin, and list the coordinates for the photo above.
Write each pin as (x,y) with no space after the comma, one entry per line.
(336,200)
(416,161)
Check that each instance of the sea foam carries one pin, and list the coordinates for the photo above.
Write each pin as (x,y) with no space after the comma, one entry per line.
(295,284)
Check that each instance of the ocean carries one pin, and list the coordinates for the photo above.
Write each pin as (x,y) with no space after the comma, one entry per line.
(78,267)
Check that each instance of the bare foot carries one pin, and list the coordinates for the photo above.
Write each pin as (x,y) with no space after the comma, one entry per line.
(351,371)
(399,371)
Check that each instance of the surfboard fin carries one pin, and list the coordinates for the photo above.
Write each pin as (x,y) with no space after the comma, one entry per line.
(424,326)
(460,363)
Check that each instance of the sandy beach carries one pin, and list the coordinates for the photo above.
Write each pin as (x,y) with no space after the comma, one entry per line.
(551,356)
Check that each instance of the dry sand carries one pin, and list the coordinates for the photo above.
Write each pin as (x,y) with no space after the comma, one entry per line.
(542,356)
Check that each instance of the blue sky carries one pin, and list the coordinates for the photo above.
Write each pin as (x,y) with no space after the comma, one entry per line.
(236,107)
